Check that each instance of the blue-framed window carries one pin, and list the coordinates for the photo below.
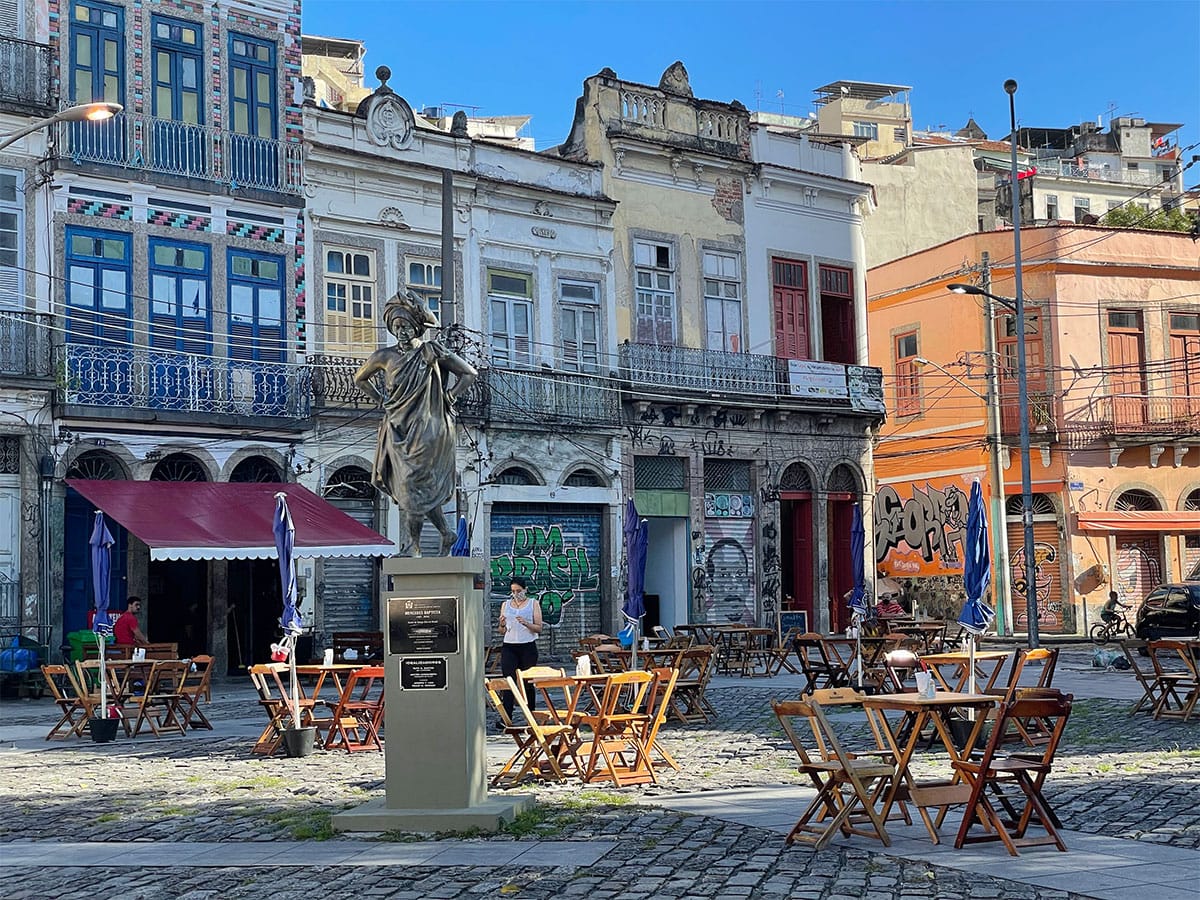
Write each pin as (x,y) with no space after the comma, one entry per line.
(257,318)
(99,286)
(178,91)
(180,309)
(97,49)
(252,86)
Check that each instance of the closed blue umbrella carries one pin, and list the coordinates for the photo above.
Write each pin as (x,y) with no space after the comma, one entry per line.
(637,538)
(976,616)
(858,596)
(462,543)
(101,543)
(285,545)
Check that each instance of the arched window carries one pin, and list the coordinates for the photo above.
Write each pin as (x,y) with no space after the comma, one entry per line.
(95,465)
(1040,504)
(843,480)
(796,477)
(350,483)
(179,467)
(1136,500)
(256,468)
(584,478)
(1192,501)
(515,475)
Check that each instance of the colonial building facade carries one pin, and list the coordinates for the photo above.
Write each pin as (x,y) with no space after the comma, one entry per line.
(746,402)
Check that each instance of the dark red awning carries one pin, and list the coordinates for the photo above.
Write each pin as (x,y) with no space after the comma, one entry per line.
(228,520)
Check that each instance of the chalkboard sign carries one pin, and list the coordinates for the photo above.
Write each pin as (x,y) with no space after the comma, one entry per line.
(789,619)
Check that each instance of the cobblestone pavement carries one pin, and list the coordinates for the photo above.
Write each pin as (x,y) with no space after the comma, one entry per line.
(1117,776)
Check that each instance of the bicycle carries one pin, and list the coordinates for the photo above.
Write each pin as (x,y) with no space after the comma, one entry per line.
(1117,628)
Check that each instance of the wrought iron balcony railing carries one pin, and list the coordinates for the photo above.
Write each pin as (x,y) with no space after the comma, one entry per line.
(751,376)
(333,382)
(1133,415)
(106,376)
(176,148)
(25,344)
(25,74)
(1043,415)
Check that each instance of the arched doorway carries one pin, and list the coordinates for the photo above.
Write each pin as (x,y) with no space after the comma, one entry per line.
(78,518)
(843,491)
(177,589)
(1047,563)
(349,589)
(1191,542)
(254,601)
(796,538)
(1139,565)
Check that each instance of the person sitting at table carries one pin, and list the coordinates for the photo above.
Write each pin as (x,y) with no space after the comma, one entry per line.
(520,624)
(126,629)
(889,608)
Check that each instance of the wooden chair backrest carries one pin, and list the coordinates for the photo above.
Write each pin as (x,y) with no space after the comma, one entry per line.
(1164,650)
(53,672)
(540,672)
(838,696)
(1045,705)
(266,681)
(166,678)
(364,687)
(198,682)
(1130,649)
(493,687)
(825,744)
(634,685)
(900,665)
(1048,656)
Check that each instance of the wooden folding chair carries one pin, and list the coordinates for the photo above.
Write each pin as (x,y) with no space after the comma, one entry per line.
(161,706)
(197,685)
(898,667)
(273,699)
(847,787)
(1015,782)
(359,712)
(686,703)
(1175,671)
(1152,691)
(782,652)
(522,735)
(618,751)
(73,712)
(658,705)
(85,681)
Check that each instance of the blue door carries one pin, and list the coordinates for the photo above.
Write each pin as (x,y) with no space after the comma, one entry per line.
(180,325)
(179,136)
(259,384)
(253,150)
(99,317)
(97,67)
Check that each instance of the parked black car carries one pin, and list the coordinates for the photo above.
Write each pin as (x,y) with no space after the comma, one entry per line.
(1170,610)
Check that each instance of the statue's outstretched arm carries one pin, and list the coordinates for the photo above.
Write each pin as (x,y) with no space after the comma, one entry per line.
(363,377)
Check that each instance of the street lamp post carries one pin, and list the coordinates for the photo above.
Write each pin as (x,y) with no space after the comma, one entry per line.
(91,112)
(1026,479)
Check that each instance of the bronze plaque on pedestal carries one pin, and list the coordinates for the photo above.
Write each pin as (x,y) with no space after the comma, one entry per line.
(422,626)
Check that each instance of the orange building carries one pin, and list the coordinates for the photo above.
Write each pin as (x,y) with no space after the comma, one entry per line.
(1113,373)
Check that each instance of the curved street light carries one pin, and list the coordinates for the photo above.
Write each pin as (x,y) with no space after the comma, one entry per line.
(83,112)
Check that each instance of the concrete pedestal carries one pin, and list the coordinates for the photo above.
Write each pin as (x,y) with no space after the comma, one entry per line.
(435,756)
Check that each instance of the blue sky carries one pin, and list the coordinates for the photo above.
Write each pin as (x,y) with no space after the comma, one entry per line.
(1073,61)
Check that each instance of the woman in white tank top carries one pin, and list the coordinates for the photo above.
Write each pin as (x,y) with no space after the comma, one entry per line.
(520,624)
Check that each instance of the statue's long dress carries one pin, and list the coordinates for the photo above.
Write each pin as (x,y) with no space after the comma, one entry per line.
(414,456)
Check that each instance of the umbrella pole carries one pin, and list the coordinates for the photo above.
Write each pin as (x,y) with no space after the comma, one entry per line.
(295,684)
(858,649)
(103,647)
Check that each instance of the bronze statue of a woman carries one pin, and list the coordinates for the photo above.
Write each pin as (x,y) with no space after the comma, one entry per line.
(414,454)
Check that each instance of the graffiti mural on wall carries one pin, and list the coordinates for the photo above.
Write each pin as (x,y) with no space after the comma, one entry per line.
(1137,572)
(1045,570)
(727,572)
(919,526)
(560,562)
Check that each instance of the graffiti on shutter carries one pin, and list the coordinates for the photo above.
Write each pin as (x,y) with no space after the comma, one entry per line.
(728,593)
(1139,565)
(558,551)
(348,588)
(1047,575)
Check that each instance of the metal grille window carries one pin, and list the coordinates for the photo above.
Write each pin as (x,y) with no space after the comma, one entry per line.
(1136,500)
(1192,503)
(723,301)
(350,483)
(727,475)
(10,456)
(510,304)
(654,275)
(659,473)
(843,480)
(349,300)
(515,475)
(796,478)
(583,478)
(1040,504)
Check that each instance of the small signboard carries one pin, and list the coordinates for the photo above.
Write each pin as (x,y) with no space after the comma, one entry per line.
(422,626)
(789,619)
(423,673)
(817,379)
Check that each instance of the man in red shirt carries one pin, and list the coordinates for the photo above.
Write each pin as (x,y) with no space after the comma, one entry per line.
(126,630)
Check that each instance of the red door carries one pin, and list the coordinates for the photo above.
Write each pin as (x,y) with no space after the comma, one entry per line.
(790,293)
(841,573)
(837,315)
(1185,358)
(797,580)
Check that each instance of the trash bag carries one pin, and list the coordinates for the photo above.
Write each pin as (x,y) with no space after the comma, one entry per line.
(1102,658)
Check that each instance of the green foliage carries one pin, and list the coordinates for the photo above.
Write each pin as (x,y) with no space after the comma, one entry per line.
(1133,216)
